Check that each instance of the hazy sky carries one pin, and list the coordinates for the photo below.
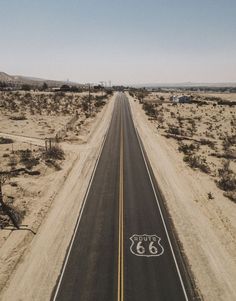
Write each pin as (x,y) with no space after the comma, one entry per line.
(125,41)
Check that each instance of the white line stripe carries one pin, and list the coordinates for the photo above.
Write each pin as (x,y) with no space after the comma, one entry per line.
(162,217)
(80,215)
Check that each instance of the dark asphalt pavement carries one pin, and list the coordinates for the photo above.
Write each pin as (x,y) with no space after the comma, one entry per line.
(122,250)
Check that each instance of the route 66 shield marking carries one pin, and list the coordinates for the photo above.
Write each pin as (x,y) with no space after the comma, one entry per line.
(146,245)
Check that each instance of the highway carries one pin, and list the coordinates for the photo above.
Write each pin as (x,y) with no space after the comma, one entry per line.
(122,248)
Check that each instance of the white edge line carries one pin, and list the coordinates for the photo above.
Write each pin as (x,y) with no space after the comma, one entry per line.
(162,217)
(80,214)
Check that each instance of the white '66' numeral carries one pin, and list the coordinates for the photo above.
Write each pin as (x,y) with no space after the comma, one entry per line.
(152,249)
(141,250)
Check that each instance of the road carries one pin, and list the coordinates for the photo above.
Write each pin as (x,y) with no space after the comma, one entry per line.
(121,249)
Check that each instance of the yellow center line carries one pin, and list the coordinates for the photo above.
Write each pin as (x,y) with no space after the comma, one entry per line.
(121,220)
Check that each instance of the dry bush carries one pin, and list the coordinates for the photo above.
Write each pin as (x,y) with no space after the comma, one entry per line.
(10,215)
(20,117)
(27,158)
(5,140)
(149,108)
(195,161)
(227,181)
(12,162)
(207,142)
(228,142)
(188,149)
(55,152)
(231,195)
(99,103)
(174,130)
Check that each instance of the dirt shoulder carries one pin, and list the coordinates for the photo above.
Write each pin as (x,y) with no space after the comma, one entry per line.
(30,264)
(206,227)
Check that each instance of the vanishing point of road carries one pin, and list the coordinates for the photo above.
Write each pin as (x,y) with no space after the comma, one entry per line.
(122,247)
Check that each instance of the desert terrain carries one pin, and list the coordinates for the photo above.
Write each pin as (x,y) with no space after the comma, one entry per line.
(42,136)
(50,154)
(192,150)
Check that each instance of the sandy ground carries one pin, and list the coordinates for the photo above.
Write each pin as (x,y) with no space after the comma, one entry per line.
(57,205)
(206,227)
(199,95)
(43,114)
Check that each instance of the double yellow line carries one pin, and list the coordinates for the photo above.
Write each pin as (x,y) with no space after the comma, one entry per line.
(120,295)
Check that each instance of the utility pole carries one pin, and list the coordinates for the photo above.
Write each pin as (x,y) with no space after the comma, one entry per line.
(102,86)
(89,93)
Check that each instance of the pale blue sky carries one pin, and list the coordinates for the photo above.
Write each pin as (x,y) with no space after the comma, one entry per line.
(126,41)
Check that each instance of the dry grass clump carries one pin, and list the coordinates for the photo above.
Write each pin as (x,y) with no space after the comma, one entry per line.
(55,153)
(10,215)
(188,149)
(231,195)
(149,108)
(197,161)
(227,181)
(27,158)
(5,140)
(18,117)
(174,130)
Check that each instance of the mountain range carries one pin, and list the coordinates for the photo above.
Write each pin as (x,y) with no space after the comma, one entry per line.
(20,80)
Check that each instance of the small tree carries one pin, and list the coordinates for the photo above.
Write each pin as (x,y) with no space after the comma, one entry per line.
(14,217)
(44,86)
(26,87)
(3,179)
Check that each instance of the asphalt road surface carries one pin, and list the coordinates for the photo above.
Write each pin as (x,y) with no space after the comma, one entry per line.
(121,249)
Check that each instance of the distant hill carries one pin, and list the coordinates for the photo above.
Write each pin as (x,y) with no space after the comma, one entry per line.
(184,85)
(4,77)
(20,80)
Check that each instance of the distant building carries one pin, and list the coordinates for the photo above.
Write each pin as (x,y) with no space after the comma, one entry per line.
(180,99)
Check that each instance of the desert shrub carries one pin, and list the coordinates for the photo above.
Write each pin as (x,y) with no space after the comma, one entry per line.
(149,109)
(12,161)
(53,163)
(85,105)
(231,195)
(55,152)
(207,142)
(20,117)
(10,215)
(229,141)
(210,196)
(26,87)
(99,103)
(174,130)
(188,149)
(227,181)
(160,118)
(196,161)
(5,140)
(27,158)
